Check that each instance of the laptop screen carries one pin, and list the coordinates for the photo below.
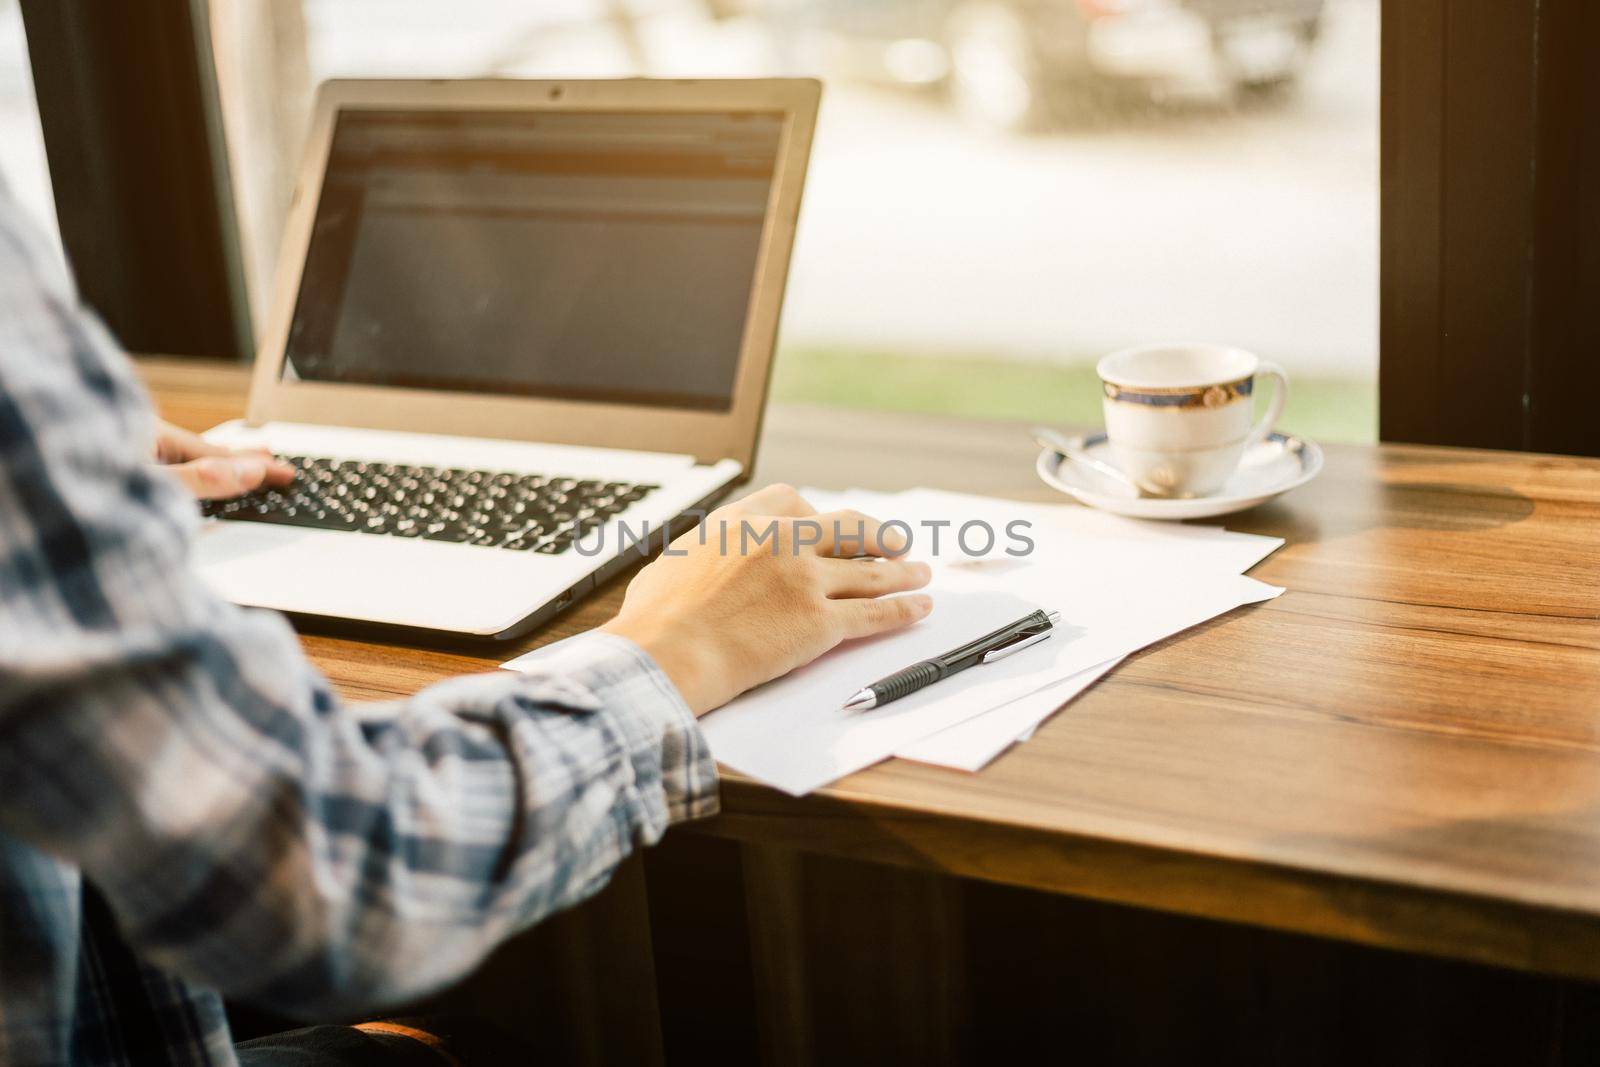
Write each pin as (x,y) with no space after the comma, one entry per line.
(593,256)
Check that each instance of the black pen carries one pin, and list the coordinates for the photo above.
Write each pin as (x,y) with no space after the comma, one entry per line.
(1029,630)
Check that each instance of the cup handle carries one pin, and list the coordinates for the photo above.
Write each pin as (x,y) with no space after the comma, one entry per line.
(1280,393)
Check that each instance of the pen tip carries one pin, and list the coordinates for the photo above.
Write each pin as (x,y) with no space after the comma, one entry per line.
(863,698)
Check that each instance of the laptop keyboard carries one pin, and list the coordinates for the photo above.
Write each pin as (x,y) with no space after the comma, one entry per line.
(522,512)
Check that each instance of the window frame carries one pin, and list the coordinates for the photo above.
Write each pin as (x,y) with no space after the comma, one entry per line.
(1490,224)
(128,105)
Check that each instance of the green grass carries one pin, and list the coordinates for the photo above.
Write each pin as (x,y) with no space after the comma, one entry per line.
(1063,394)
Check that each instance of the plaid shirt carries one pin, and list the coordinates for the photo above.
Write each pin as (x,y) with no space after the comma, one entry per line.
(185,808)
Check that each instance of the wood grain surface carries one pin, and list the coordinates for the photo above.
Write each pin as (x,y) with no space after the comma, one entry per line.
(1403,750)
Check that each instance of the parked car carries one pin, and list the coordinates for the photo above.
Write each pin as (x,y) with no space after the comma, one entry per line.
(1014,64)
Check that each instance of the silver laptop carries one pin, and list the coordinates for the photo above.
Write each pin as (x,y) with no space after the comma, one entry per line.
(516,325)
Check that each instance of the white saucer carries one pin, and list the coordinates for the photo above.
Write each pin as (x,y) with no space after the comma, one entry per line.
(1276,465)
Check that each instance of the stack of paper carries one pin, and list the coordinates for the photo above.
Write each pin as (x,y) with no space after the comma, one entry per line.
(1119,584)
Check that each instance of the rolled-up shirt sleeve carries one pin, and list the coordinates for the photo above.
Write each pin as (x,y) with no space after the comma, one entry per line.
(679,769)
(250,832)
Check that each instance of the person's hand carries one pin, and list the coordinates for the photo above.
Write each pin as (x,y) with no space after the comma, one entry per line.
(732,612)
(212,472)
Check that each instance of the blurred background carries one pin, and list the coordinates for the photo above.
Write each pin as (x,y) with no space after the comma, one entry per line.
(1001,190)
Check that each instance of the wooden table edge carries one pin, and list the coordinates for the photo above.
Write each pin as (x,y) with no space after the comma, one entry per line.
(1383,914)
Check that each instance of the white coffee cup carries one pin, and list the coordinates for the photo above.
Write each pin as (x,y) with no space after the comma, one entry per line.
(1178,415)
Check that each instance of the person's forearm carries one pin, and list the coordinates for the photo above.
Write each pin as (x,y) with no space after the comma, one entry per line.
(298,858)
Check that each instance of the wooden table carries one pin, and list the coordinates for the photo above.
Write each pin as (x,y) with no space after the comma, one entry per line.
(1402,751)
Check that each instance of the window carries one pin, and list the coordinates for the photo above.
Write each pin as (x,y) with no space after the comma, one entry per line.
(1001,191)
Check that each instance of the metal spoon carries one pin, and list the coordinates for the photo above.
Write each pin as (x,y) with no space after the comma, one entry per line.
(1054,441)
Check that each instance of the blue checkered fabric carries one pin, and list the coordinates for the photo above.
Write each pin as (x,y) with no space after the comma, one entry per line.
(186,809)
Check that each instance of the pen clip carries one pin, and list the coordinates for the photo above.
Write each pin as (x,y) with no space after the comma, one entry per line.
(1022,641)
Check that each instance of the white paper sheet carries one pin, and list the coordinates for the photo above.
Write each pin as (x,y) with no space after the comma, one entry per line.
(1063,536)
(1110,541)
(969,746)
(792,733)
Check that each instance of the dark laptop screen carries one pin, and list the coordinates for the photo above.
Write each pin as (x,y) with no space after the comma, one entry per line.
(600,256)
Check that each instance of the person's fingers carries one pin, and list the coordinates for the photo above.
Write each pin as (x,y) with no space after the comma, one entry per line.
(221,477)
(782,501)
(849,533)
(176,445)
(278,472)
(863,618)
(868,578)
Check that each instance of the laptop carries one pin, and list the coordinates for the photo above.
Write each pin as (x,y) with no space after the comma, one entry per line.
(519,327)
